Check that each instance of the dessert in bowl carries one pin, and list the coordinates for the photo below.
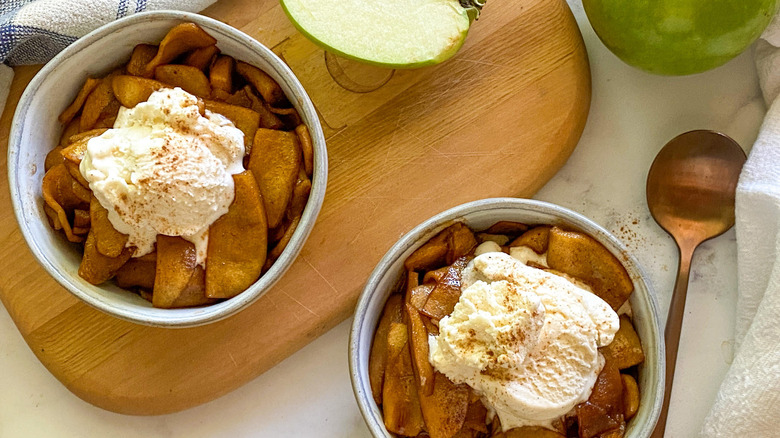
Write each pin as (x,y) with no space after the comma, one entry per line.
(503,333)
(207,96)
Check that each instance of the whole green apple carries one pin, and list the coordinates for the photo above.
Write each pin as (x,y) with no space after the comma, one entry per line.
(678,37)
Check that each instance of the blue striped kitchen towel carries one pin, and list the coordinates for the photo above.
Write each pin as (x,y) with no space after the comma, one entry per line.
(33,31)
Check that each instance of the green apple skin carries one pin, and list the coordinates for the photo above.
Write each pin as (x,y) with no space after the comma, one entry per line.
(678,37)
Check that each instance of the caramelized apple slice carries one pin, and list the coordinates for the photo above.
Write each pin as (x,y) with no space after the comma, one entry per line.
(460,242)
(418,336)
(138,272)
(275,160)
(583,257)
(265,85)
(98,100)
(536,238)
(400,402)
(176,262)
(429,256)
(221,74)
(630,396)
(267,118)
(625,350)
(445,409)
(108,240)
(201,58)
(306,148)
(189,79)
(132,90)
(476,416)
(237,242)
(446,294)
(377,358)
(418,296)
(245,119)
(507,227)
(194,293)
(97,268)
(142,54)
(78,102)
(604,409)
(180,39)
(60,194)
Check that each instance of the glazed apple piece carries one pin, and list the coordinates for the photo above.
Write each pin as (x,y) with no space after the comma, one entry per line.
(377,359)
(625,350)
(400,401)
(275,160)
(97,268)
(476,415)
(630,396)
(445,409)
(604,409)
(507,227)
(189,79)
(138,272)
(446,294)
(201,58)
(221,74)
(529,432)
(418,296)
(583,257)
(238,242)
(180,39)
(108,240)
(265,85)
(142,54)
(176,263)
(431,255)
(132,90)
(100,103)
(536,238)
(268,119)
(460,242)
(246,120)
(78,102)
(306,147)
(193,293)
(62,194)
(418,335)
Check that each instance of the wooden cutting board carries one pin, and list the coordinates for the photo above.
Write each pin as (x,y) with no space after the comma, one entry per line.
(499,119)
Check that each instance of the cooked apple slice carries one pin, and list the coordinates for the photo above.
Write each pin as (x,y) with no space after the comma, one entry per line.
(275,160)
(418,336)
(460,242)
(201,58)
(419,33)
(604,410)
(97,268)
(377,358)
(476,416)
(530,432)
(400,402)
(445,409)
(536,238)
(189,79)
(138,272)
(264,84)
(506,227)
(180,39)
(176,262)
(625,350)
(108,240)
(238,242)
(630,396)
(221,74)
(583,257)
(132,90)
(246,120)
(446,294)
(98,100)
(78,102)
(142,54)
(194,293)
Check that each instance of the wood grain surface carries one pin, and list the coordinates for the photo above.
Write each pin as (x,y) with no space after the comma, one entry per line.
(499,119)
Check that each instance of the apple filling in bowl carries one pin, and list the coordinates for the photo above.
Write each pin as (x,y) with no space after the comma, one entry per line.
(183,173)
(516,331)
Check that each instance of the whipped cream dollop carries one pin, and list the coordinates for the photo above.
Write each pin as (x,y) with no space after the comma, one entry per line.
(165,168)
(526,340)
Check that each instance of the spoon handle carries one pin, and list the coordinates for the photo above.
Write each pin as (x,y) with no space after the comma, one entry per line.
(673,328)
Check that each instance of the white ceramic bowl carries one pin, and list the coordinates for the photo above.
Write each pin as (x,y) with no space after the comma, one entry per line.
(35,131)
(480,215)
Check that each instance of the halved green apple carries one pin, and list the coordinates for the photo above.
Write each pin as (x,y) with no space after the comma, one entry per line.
(387,33)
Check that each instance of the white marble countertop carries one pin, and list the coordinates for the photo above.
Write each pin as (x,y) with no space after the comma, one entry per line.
(633,115)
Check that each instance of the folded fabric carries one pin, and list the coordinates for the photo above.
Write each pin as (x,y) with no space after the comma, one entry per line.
(748,402)
(33,31)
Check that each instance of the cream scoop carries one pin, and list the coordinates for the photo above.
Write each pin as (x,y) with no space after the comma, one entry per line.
(165,169)
(525,339)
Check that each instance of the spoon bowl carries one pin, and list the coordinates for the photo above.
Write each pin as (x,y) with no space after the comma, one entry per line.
(690,193)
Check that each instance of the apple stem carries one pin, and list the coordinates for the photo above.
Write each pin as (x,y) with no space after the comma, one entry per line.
(474,7)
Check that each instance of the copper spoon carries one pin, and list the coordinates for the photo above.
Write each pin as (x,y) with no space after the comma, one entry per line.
(690,193)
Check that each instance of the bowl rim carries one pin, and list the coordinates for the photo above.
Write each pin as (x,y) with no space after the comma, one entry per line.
(436,223)
(186,317)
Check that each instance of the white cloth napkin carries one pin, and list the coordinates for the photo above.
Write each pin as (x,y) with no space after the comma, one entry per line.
(748,402)
(33,31)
